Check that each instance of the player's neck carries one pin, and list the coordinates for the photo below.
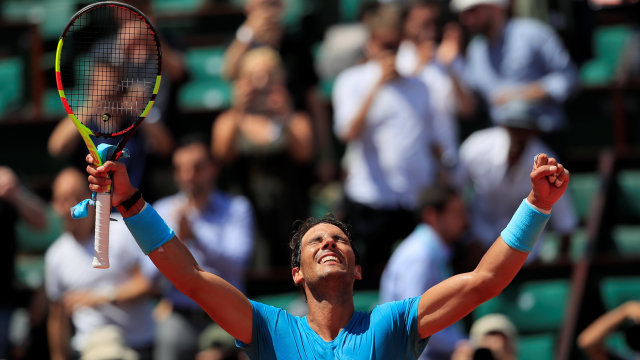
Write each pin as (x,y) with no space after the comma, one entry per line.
(328,315)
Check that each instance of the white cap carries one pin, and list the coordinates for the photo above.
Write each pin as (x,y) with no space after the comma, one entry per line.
(106,343)
(491,323)
(462,5)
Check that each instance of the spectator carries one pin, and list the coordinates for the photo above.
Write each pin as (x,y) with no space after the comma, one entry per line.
(516,60)
(496,185)
(93,298)
(423,259)
(388,128)
(625,317)
(218,230)
(492,336)
(16,202)
(268,147)
(263,27)
(432,52)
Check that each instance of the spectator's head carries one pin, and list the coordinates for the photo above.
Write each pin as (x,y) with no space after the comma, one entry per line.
(264,5)
(520,119)
(481,16)
(422,20)
(69,188)
(262,67)
(194,168)
(496,333)
(322,247)
(442,208)
(385,31)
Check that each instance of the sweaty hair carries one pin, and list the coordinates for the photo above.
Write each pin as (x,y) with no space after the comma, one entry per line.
(302,227)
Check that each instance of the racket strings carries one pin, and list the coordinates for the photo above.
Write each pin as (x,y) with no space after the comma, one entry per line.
(113,79)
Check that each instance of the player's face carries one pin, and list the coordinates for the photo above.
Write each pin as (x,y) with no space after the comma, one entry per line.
(325,251)
(193,170)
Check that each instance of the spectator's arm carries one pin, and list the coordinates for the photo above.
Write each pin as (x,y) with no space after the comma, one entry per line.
(29,206)
(591,339)
(223,136)
(58,331)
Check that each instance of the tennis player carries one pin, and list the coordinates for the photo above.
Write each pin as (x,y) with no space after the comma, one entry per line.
(325,266)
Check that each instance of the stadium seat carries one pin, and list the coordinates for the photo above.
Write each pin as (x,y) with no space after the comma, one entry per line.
(30,240)
(609,43)
(627,239)
(536,347)
(533,306)
(169,7)
(629,194)
(11,91)
(205,62)
(207,95)
(51,16)
(583,187)
(365,300)
(616,290)
(349,9)
(29,271)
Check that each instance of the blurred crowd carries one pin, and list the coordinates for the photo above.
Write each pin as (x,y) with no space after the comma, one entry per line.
(422,143)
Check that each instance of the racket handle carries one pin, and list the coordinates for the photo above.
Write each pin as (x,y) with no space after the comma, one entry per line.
(101,245)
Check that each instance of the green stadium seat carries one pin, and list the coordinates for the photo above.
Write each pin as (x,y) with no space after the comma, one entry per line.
(51,105)
(617,344)
(629,195)
(29,271)
(550,245)
(365,300)
(616,290)
(536,347)
(208,95)
(32,240)
(626,239)
(349,9)
(168,7)
(205,62)
(52,16)
(11,91)
(533,306)
(583,187)
(609,43)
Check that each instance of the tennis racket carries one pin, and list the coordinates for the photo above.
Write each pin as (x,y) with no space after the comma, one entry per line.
(108,74)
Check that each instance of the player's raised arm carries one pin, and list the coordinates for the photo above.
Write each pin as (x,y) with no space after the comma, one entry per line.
(226,305)
(454,298)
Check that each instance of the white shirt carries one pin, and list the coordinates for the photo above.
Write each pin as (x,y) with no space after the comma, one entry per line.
(68,267)
(418,263)
(441,94)
(223,237)
(391,161)
(499,192)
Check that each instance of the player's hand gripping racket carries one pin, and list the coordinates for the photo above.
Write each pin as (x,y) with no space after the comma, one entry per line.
(108,73)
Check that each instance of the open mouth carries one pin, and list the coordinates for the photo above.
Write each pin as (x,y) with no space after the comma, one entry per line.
(330,258)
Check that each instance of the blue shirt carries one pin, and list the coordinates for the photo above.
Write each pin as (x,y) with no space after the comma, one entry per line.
(527,51)
(420,262)
(390,331)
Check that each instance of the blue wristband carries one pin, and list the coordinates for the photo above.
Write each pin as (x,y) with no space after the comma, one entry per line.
(149,230)
(525,227)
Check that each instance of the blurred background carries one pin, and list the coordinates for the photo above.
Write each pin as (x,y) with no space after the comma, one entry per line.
(550,302)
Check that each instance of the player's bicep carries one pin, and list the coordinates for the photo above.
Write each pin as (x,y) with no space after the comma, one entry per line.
(446,303)
(225,304)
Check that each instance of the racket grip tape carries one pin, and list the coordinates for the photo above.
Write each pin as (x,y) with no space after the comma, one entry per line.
(149,229)
(101,243)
